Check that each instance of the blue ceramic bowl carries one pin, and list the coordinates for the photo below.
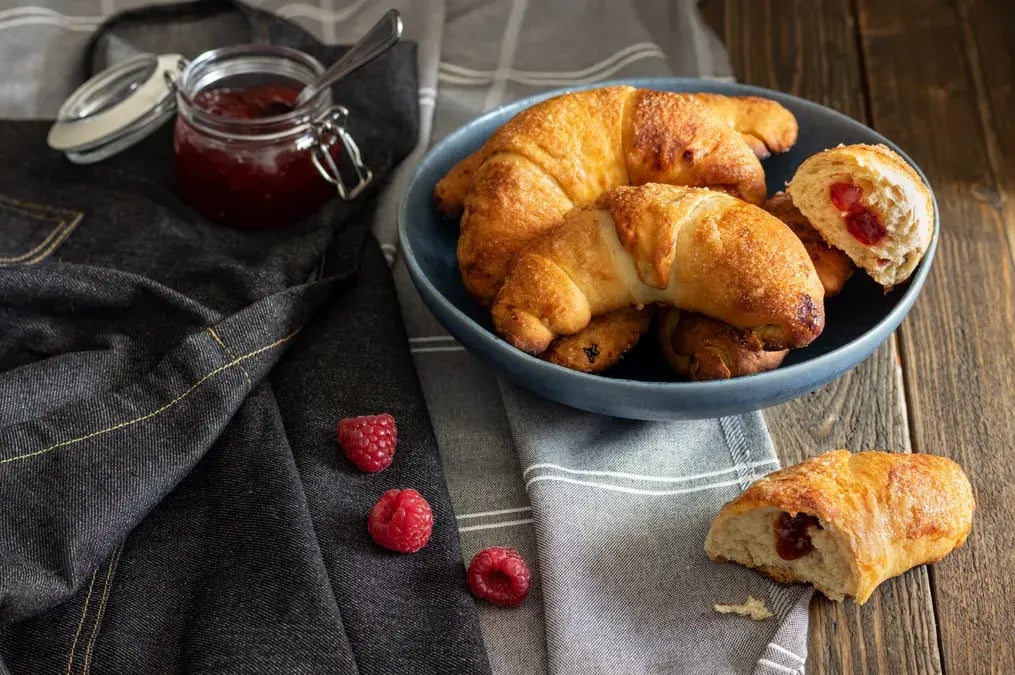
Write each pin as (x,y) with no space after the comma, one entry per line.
(642,386)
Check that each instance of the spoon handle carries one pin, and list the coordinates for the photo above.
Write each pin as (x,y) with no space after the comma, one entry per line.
(378,40)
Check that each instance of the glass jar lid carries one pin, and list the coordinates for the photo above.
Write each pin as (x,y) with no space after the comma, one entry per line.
(116,108)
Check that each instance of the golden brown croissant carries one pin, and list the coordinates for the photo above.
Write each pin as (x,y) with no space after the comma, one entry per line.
(844,522)
(691,248)
(705,349)
(763,126)
(602,343)
(701,348)
(867,201)
(566,151)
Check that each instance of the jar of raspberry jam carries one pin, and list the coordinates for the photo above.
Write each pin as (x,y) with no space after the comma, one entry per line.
(243,155)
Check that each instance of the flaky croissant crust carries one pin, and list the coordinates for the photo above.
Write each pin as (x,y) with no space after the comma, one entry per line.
(894,511)
(568,150)
(690,248)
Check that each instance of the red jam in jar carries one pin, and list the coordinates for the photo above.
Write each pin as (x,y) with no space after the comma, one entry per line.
(248,104)
(244,156)
(239,179)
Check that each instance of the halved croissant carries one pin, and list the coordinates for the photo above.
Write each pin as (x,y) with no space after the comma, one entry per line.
(846,522)
(868,201)
(706,349)
(691,248)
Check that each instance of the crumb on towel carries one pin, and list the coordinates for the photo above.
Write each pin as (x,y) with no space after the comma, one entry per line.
(753,608)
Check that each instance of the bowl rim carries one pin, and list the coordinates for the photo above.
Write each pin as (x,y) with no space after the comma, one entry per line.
(854,351)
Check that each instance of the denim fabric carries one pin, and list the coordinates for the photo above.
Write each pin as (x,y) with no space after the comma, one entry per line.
(172,495)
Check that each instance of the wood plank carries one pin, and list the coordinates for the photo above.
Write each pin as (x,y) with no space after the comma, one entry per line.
(989,36)
(809,48)
(941,86)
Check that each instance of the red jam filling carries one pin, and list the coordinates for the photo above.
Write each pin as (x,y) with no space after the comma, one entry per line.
(861,222)
(247,183)
(865,226)
(248,104)
(792,540)
(844,195)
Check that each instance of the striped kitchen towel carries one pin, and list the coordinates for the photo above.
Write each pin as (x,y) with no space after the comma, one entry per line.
(612,514)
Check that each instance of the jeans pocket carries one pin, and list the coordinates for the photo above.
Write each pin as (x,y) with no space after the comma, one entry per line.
(30,232)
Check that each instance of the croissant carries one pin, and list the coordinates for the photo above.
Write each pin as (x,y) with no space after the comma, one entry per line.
(705,349)
(600,344)
(846,522)
(762,123)
(869,202)
(691,248)
(701,348)
(566,151)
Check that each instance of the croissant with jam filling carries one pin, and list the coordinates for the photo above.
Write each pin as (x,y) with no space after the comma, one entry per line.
(870,203)
(846,522)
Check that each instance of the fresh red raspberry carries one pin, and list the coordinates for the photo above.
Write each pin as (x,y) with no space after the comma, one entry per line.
(500,575)
(401,520)
(369,441)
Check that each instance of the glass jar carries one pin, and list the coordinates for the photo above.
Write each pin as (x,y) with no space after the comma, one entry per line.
(244,159)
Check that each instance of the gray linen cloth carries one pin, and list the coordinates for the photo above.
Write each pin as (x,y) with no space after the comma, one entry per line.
(611,514)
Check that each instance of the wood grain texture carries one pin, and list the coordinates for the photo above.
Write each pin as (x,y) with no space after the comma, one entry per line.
(941,85)
(810,48)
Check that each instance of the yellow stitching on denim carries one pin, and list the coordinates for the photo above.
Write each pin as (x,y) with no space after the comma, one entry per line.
(60,238)
(41,245)
(24,210)
(158,411)
(84,613)
(101,609)
(24,206)
(230,354)
(57,235)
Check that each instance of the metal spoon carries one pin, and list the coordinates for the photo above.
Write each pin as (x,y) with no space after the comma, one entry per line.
(379,39)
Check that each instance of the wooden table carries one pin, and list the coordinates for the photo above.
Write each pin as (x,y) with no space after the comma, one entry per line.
(938,78)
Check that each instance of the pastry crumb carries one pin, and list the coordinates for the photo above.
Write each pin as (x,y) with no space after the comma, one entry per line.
(753,608)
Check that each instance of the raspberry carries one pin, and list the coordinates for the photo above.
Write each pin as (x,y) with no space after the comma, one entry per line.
(369,441)
(401,520)
(500,575)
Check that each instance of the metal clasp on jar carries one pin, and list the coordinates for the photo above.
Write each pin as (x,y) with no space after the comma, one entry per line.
(328,130)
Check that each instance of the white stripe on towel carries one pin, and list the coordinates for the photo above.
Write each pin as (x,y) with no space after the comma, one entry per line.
(302,11)
(635,476)
(24,16)
(45,11)
(778,666)
(499,512)
(630,490)
(492,526)
(61,22)
(648,48)
(780,648)
(553,82)
(507,53)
